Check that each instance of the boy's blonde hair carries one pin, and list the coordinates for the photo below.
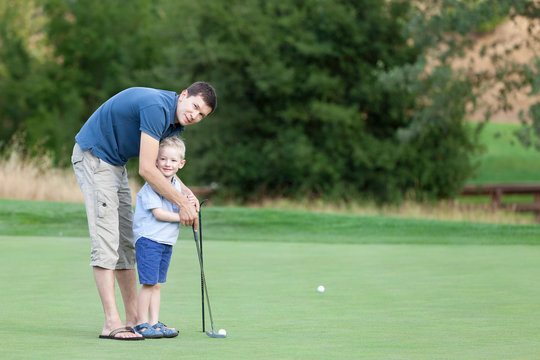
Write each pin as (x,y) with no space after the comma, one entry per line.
(175,143)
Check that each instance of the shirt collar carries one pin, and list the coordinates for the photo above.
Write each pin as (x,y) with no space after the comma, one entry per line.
(173,117)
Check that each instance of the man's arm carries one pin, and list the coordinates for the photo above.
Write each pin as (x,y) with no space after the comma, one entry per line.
(149,172)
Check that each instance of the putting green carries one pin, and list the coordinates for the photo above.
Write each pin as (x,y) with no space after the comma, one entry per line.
(381,302)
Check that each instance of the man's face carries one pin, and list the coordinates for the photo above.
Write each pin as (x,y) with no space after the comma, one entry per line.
(191,110)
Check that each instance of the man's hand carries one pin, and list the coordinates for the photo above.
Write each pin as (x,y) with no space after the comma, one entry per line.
(189,194)
(194,201)
(188,214)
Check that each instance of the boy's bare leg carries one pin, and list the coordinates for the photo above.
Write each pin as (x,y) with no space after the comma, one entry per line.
(127,282)
(143,302)
(153,309)
(155,303)
(105,285)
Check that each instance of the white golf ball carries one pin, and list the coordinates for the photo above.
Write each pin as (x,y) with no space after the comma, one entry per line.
(222,332)
(320,288)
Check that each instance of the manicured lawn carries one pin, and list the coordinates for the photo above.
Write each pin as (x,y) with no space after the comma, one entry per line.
(31,218)
(395,288)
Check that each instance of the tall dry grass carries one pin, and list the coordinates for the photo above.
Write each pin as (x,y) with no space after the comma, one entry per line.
(443,210)
(25,178)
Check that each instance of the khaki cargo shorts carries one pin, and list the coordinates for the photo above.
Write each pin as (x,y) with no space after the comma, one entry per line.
(108,208)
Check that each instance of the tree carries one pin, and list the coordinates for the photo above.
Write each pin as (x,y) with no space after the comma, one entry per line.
(23,48)
(335,99)
(325,98)
(93,50)
(450,27)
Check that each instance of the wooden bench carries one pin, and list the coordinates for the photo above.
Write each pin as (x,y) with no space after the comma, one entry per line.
(496,191)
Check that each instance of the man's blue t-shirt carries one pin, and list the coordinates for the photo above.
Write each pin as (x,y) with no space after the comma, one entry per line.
(113,132)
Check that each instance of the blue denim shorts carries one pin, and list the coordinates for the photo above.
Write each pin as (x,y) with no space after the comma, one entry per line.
(153,261)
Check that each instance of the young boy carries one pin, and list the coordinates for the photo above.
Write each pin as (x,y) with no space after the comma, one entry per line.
(156,227)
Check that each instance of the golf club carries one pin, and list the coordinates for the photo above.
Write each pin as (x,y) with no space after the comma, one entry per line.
(212,333)
(202,262)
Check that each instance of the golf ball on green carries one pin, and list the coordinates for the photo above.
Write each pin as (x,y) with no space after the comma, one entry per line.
(222,332)
(320,288)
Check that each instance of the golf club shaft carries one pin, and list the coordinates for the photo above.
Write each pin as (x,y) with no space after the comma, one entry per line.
(195,235)
(202,278)
(202,262)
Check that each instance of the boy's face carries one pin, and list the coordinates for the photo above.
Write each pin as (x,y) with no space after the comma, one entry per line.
(169,161)
(190,110)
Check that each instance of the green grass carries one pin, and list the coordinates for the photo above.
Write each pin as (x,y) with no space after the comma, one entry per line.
(395,288)
(268,225)
(505,159)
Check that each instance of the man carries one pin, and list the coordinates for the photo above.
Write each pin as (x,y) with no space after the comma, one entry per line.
(128,125)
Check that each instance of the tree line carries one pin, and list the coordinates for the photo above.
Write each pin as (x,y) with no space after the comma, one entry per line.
(338,99)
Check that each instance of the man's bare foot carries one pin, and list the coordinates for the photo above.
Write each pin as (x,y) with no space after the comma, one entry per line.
(120,332)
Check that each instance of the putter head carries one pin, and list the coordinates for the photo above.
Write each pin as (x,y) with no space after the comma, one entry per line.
(215,334)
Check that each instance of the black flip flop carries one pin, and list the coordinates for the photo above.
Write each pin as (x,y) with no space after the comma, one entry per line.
(112,334)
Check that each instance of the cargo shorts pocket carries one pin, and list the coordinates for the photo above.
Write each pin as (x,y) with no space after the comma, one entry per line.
(76,158)
(77,155)
(101,205)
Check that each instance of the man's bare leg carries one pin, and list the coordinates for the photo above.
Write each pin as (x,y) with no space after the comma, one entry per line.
(127,282)
(105,285)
